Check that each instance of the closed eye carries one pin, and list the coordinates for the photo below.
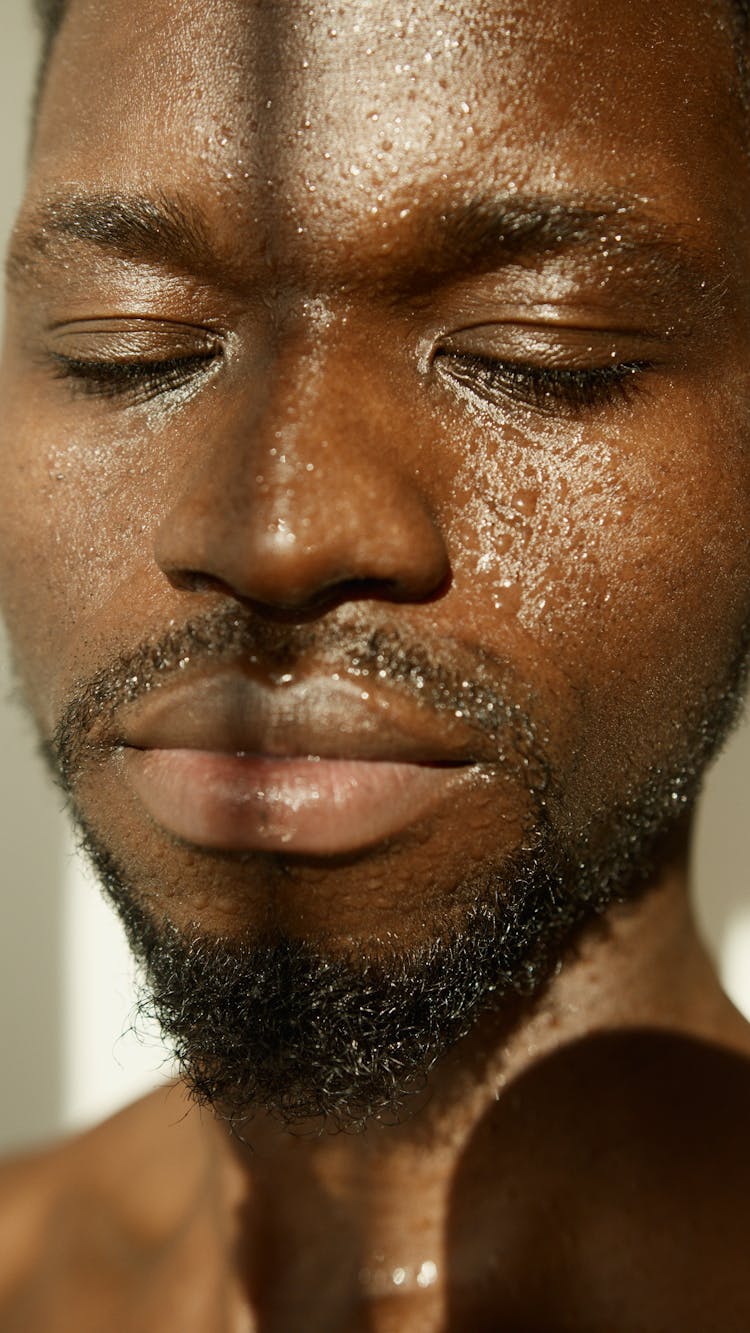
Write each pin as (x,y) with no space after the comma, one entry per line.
(138,380)
(544,388)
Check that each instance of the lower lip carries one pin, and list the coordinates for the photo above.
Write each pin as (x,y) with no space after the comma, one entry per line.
(320,807)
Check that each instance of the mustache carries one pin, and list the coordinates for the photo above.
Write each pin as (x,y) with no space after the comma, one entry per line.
(483,690)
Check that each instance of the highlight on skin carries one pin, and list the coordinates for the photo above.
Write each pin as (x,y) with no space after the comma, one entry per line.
(51,13)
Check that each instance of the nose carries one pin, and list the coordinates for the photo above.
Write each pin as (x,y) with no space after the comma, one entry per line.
(303,497)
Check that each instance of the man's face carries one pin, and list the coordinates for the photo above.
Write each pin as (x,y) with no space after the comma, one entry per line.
(376,389)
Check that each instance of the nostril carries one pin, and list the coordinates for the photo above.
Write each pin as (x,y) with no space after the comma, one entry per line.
(194,580)
(304,603)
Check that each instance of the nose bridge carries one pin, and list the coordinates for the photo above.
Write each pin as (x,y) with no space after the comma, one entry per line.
(302,459)
(304,415)
(303,495)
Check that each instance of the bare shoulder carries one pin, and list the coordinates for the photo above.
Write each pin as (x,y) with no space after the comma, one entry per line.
(103,1202)
(28,1188)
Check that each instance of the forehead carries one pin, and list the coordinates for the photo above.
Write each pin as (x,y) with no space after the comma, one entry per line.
(321,118)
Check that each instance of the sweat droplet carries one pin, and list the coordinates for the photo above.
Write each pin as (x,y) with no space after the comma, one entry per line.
(427,1274)
(507,597)
(525,502)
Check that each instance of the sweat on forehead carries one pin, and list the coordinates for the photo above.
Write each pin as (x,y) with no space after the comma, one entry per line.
(50,14)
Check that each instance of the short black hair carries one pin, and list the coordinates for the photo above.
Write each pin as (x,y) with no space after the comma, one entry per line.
(49,15)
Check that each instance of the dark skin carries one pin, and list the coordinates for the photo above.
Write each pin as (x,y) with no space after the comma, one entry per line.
(578,1162)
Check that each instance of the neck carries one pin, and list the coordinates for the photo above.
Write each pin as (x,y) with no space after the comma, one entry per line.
(380,1202)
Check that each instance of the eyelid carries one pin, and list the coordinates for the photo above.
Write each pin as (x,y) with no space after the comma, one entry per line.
(549,344)
(134,339)
(132,360)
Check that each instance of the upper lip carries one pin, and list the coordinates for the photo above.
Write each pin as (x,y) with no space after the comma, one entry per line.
(229,711)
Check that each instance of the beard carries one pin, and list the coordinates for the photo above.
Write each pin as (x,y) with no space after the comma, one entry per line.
(336,1039)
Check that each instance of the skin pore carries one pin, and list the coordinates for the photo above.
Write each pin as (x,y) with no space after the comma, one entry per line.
(403,372)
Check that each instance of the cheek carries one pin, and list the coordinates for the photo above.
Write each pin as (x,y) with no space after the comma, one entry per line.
(535,518)
(663,581)
(74,525)
(616,569)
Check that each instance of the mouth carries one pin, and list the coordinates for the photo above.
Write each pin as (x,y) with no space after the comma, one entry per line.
(320,767)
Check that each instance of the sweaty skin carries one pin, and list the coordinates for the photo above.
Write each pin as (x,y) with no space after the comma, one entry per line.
(328,451)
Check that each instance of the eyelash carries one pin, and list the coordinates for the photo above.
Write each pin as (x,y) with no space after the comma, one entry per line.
(547,388)
(139,380)
(542,388)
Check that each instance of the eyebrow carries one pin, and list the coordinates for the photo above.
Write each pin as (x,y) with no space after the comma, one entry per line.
(479,234)
(159,229)
(488,232)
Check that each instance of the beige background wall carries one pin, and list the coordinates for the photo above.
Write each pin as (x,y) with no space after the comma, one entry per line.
(64,979)
(30,830)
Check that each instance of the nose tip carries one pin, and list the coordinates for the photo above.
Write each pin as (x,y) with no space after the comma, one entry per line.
(372,538)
